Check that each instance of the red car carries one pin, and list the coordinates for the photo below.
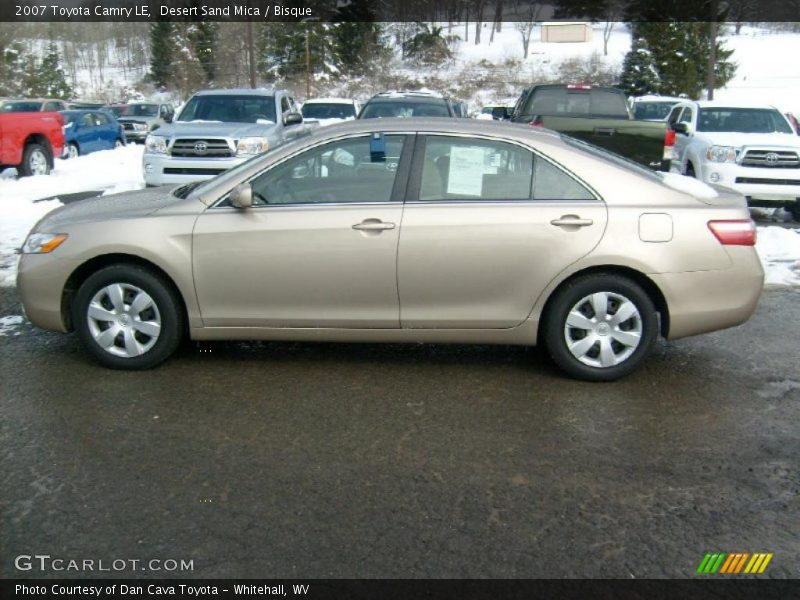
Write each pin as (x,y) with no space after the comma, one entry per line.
(30,140)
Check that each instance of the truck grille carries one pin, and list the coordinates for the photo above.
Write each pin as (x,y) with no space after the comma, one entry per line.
(127,126)
(200,148)
(785,159)
(768,181)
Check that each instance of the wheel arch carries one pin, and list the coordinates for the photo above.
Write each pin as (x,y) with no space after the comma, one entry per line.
(648,285)
(38,138)
(82,272)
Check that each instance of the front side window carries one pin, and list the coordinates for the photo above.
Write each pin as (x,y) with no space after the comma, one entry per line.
(464,169)
(351,171)
(87,120)
(686,115)
(673,116)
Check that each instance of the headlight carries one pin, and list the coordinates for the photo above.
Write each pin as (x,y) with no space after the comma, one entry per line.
(721,154)
(155,144)
(140,126)
(252,145)
(42,243)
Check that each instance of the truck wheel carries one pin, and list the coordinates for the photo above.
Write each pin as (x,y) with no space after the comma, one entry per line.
(73,151)
(795,210)
(35,161)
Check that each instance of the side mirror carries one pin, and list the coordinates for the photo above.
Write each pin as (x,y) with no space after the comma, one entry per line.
(293,119)
(682,128)
(242,196)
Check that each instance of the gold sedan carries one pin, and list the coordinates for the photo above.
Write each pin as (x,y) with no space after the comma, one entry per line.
(402,230)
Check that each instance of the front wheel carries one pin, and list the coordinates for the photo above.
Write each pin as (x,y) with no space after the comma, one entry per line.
(127,317)
(600,327)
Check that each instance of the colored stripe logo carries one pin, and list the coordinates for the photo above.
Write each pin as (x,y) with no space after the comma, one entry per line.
(734,563)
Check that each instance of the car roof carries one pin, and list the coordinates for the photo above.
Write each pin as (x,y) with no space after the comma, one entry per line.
(654,98)
(239,92)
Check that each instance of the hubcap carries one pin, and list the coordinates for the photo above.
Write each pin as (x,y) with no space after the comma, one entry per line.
(603,329)
(124,320)
(73,151)
(38,163)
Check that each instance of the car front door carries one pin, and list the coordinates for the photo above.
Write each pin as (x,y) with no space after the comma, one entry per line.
(319,246)
(487,226)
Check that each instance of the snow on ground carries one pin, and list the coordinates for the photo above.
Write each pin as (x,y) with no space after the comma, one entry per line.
(9,324)
(779,250)
(110,170)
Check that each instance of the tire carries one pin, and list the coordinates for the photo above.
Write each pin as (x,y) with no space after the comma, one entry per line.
(794,209)
(73,151)
(118,143)
(621,346)
(690,170)
(35,161)
(128,346)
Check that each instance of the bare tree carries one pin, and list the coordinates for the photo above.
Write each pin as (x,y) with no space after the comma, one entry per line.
(531,13)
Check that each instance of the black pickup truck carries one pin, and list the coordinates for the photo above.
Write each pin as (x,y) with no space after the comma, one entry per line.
(598,115)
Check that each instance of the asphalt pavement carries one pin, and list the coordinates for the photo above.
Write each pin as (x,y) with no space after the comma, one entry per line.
(325,460)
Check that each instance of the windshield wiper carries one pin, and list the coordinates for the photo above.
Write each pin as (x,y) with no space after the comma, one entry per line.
(184,190)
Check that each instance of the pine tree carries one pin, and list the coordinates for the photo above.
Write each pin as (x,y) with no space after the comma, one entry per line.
(639,73)
(203,37)
(357,45)
(161,53)
(47,79)
(282,48)
(12,70)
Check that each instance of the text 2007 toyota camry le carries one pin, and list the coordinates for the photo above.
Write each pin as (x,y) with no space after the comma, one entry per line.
(406,230)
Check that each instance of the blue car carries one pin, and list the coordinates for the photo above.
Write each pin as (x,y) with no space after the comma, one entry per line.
(87,131)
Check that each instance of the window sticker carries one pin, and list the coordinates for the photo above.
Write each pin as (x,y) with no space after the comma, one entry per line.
(467,164)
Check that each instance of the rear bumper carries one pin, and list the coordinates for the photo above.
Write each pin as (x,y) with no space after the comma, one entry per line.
(703,301)
(160,169)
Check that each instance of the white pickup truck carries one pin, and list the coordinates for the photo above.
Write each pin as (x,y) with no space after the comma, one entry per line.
(746,147)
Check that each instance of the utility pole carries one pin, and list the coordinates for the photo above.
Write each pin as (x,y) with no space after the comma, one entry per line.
(711,68)
(251,53)
(308,62)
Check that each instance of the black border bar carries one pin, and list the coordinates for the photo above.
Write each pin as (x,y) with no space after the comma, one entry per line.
(395,10)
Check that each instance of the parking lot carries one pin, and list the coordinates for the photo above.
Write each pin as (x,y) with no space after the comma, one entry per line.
(323,460)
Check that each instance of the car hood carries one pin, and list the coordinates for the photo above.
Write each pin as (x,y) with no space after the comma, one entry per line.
(750,139)
(117,206)
(212,128)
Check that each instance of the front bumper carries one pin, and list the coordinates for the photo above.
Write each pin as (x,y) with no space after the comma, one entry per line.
(136,136)
(40,283)
(160,169)
(771,185)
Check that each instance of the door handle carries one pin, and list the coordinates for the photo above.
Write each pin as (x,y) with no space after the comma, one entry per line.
(571,221)
(373,225)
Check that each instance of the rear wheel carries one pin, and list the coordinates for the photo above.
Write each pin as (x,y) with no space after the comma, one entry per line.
(73,151)
(35,161)
(600,327)
(118,143)
(127,317)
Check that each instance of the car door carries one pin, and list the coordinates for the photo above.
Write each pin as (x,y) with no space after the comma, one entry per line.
(103,131)
(86,133)
(682,140)
(487,226)
(317,249)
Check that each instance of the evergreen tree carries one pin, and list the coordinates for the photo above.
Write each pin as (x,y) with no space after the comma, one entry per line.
(203,37)
(161,52)
(47,79)
(282,49)
(12,70)
(639,73)
(357,44)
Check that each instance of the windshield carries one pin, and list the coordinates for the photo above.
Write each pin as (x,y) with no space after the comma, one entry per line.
(404,108)
(229,109)
(318,110)
(115,110)
(21,106)
(140,110)
(656,111)
(742,120)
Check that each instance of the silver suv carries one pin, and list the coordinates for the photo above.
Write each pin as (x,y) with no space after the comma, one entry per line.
(218,129)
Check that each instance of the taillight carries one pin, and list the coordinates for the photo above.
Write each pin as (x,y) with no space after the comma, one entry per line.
(669,145)
(537,122)
(734,233)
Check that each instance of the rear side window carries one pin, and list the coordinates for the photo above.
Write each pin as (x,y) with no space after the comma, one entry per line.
(465,169)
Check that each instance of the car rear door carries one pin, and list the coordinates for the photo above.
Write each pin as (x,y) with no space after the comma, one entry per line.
(487,225)
(319,246)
